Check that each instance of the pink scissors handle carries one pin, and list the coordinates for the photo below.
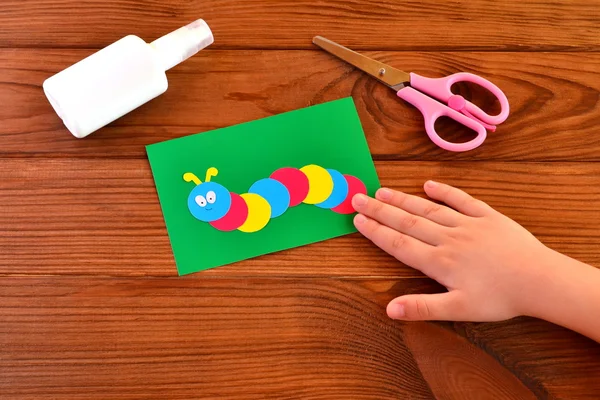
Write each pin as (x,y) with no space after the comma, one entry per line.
(432,110)
(440,88)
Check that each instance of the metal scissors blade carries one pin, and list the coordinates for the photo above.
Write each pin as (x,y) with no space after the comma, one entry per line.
(389,76)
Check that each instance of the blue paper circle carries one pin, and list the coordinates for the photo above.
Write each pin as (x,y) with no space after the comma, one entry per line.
(209,201)
(339,193)
(274,192)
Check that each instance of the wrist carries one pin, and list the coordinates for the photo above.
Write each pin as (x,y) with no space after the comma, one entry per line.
(547,273)
(565,292)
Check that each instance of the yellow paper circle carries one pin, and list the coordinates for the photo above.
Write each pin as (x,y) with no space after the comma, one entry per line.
(259,213)
(320,184)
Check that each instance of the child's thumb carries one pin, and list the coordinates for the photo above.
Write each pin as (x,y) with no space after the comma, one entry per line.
(426,307)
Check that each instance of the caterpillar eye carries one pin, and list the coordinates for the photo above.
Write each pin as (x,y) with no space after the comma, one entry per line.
(201,201)
(211,197)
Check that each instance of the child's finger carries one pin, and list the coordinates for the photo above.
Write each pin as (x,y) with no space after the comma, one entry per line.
(427,307)
(406,249)
(456,199)
(399,220)
(419,206)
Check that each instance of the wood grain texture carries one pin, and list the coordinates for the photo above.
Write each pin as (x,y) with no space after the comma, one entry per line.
(127,338)
(277,24)
(78,216)
(524,346)
(90,305)
(555,109)
(440,352)
(230,339)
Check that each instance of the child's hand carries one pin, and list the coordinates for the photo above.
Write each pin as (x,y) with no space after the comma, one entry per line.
(485,260)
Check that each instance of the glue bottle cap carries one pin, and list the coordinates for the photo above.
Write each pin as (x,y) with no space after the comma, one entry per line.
(181,44)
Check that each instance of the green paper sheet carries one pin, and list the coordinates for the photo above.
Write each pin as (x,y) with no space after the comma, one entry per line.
(328,135)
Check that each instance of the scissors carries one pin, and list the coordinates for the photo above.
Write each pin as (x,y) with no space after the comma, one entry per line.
(414,89)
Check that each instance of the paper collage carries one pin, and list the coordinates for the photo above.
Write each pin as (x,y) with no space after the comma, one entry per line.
(263,186)
(271,197)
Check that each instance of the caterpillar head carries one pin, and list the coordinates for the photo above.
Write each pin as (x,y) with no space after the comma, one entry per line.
(208,201)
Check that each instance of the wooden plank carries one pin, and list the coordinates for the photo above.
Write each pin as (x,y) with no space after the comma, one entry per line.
(230,339)
(382,24)
(555,107)
(285,338)
(524,346)
(102,217)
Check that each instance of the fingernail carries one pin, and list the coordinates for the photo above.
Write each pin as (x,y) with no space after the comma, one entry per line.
(359,200)
(431,184)
(396,311)
(384,194)
(360,219)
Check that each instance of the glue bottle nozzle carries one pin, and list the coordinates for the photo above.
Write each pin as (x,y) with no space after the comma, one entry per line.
(181,44)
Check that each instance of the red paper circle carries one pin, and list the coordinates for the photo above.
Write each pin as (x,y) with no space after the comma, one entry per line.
(355,186)
(235,217)
(295,181)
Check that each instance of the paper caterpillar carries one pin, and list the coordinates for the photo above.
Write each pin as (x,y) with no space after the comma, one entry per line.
(270,197)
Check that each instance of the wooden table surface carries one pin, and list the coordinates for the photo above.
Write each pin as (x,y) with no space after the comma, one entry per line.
(90,303)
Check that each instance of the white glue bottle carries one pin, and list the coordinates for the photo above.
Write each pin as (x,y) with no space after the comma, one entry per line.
(121,77)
